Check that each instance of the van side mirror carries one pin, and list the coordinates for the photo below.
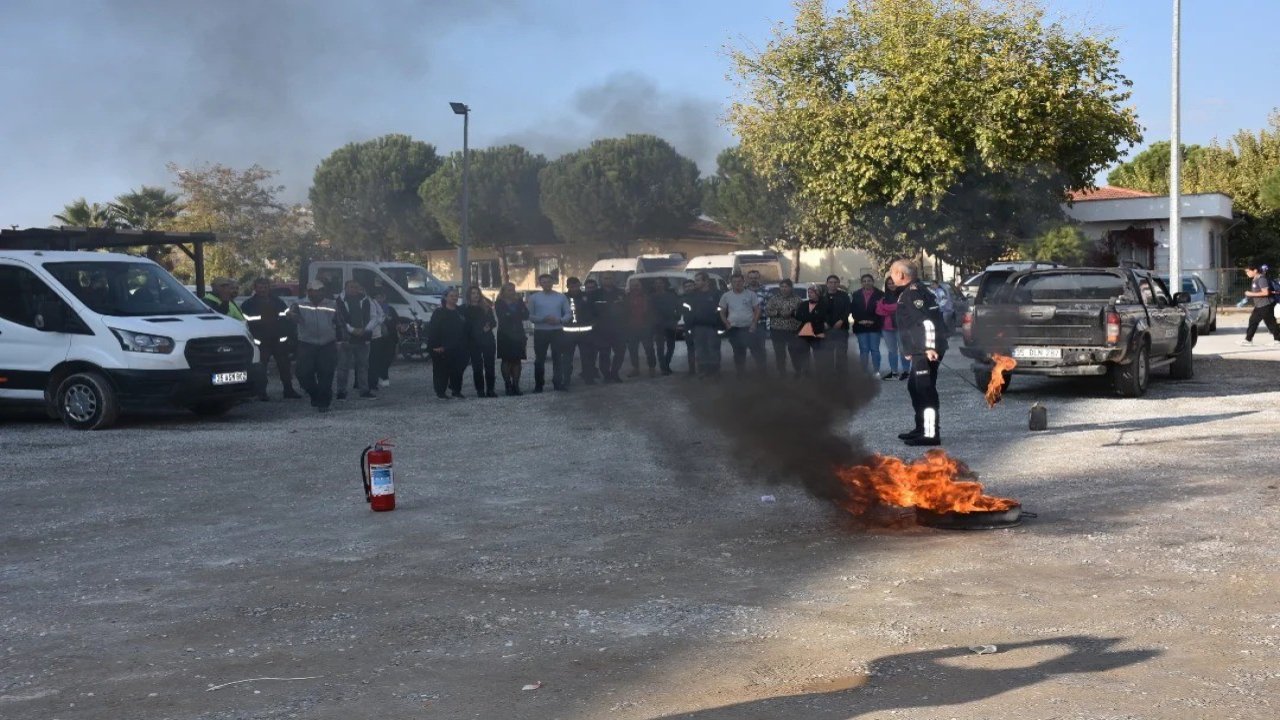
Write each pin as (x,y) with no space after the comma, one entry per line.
(1181,298)
(51,316)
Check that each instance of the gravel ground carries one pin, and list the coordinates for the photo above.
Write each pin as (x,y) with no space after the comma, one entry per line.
(548,539)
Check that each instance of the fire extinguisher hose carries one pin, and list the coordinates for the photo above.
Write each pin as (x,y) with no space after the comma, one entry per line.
(364,473)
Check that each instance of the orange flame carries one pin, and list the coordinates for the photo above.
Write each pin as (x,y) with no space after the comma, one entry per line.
(995,386)
(936,482)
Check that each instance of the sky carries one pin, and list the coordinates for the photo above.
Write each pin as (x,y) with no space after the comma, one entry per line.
(97,96)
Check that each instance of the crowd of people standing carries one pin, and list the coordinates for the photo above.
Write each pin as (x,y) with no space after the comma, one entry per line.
(600,325)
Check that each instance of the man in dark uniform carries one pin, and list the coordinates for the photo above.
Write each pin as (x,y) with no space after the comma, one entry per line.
(577,335)
(923,341)
(271,328)
(607,315)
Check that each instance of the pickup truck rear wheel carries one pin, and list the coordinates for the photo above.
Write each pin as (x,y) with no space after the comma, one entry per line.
(1131,378)
(86,401)
(1183,367)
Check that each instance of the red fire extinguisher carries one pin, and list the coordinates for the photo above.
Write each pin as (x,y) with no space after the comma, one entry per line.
(375,470)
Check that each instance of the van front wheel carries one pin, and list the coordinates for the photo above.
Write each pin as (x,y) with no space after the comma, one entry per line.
(86,401)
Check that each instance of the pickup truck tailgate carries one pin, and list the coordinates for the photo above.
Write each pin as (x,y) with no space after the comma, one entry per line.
(1004,326)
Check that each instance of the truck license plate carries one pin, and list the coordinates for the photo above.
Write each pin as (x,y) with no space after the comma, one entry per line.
(1037,353)
(230,378)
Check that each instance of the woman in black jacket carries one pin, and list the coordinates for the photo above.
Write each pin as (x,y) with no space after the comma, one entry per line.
(447,338)
(812,314)
(511,313)
(480,343)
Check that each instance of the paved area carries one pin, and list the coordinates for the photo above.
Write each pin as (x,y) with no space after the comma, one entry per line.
(603,547)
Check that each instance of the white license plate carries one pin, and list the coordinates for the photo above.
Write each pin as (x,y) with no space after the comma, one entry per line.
(230,378)
(1037,353)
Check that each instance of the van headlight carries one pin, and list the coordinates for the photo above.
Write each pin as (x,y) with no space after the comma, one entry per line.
(142,342)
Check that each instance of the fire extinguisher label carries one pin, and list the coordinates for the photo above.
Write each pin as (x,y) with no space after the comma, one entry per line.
(380,480)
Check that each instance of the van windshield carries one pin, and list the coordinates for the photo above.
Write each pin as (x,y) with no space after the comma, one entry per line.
(126,288)
(415,280)
(661,263)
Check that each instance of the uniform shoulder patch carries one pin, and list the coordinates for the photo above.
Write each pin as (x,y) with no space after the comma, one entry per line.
(919,303)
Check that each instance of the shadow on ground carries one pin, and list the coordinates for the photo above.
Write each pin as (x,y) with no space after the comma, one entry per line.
(937,678)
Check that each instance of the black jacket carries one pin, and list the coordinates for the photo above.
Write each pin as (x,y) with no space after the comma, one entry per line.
(480,323)
(447,329)
(818,317)
(919,321)
(608,308)
(666,308)
(839,305)
(581,311)
(702,309)
(511,318)
(266,319)
(865,319)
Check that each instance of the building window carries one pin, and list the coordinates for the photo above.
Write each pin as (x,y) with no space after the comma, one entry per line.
(550,266)
(486,274)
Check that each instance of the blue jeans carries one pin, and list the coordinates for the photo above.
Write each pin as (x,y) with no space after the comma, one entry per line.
(892,350)
(869,351)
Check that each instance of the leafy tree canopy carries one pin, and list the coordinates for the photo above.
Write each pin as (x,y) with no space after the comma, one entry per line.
(365,197)
(147,208)
(1064,244)
(82,213)
(895,113)
(619,190)
(504,197)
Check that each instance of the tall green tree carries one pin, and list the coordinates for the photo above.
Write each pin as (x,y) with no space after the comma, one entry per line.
(504,199)
(892,109)
(147,208)
(1064,244)
(619,190)
(82,213)
(257,232)
(365,197)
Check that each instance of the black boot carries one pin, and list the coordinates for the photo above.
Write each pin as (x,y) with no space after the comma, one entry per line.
(911,434)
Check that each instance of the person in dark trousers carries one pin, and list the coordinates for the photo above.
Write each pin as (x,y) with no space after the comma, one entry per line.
(1264,302)
(740,313)
(512,340)
(578,334)
(549,310)
(608,309)
(691,356)
(665,309)
(447,338)
(839,306)
(640,329)
(812,318)
(783,326)
(267,317)
(867,323)
(385,341)
(358,317)
(920,330)
(481,346)
(317,321)
(702,319)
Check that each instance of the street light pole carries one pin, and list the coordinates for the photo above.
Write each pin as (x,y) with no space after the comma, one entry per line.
(464,269)
(1175,162)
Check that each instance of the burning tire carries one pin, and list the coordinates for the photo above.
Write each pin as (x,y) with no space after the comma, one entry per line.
(1131,378)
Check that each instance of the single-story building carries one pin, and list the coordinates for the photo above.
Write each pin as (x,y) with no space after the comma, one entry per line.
(1134,225)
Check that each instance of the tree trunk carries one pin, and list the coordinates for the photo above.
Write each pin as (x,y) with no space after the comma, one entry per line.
(502,260)
(795,266)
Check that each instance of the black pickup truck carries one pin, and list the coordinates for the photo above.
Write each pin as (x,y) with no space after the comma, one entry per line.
(1073,322)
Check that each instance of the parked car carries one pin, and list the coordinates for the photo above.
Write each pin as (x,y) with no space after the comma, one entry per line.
(1072,322)
(1203,308)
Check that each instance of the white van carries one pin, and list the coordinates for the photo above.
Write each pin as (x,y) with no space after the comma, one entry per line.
(90,334)
(767,262)
(722,265)
(620,268)
(660,262)
(411,290)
